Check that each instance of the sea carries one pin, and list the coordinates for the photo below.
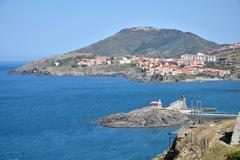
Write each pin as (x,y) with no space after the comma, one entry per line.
(53,118)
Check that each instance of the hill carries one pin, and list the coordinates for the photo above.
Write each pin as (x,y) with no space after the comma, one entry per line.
(228,59)
(149,41)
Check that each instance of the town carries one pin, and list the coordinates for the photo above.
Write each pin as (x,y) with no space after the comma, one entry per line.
(188,64)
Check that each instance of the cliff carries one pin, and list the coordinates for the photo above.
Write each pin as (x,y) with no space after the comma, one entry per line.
(210,140)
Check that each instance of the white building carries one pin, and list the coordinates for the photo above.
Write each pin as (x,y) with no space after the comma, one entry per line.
(124,60)
(179,104)
(56,64)
(199,56)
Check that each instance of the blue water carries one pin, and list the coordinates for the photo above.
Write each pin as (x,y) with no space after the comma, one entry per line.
(52,118)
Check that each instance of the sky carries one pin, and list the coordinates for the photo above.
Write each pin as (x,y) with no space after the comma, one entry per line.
(31,29)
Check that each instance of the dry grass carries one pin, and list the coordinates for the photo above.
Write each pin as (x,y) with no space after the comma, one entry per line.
(189,147)
(213,131)
(218,152)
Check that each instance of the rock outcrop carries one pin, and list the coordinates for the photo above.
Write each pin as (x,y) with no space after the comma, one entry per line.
(235,140)
(144,117)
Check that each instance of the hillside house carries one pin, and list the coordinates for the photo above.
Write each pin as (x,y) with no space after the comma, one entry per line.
(102,60)
(124,60)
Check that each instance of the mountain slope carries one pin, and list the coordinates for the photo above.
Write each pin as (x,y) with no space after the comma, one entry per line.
(150,41)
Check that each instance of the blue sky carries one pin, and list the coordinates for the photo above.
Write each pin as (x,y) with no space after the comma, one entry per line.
(30,29)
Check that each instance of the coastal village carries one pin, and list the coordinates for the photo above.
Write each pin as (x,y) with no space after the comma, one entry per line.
(120,80)
(188,64)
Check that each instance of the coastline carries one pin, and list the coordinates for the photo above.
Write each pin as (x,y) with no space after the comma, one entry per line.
(131,78)
(133,68)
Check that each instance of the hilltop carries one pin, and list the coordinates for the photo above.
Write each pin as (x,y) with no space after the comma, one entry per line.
(149,41)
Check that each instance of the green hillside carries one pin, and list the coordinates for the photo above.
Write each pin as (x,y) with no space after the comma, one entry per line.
(150,41)
(230,60)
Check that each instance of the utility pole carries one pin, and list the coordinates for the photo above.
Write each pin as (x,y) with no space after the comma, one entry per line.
(196,112)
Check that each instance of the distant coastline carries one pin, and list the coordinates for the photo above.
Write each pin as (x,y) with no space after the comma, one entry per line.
(137,68)
(128,75)
(133,77)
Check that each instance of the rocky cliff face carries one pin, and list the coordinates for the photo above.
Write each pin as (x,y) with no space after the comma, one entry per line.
(144,117)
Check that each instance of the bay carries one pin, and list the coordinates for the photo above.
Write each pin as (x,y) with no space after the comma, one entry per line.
(46,117)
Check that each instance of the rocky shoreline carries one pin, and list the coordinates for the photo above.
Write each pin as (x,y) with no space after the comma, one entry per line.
(144,117)
(68,67)
(131,74)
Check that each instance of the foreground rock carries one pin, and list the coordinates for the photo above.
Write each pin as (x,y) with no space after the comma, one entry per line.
(208,141)
(144,117)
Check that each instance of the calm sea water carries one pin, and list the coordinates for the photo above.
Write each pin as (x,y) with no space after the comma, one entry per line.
(53,118)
